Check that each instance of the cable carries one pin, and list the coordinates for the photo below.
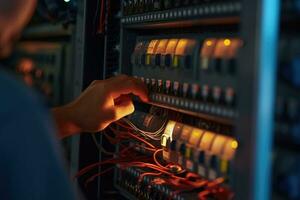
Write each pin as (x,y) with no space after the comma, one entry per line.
(133,136)
(100,147)
(152,135)
(155,159)
(96,175)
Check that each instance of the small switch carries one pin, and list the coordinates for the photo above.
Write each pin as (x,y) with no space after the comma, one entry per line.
(201,157)
(189,153)
(142,79)
(176,88)
(217,94)
(205,93)
(213,162)
(185,90)
(167,86)
(153,85)
(168,59)
(182,149)
(159,86)
(187,62)
(217,65)
(148,59)
(195,91)
(175,63)
(143,60)
(148,84)
(157,59)
(230,96)
(230,66)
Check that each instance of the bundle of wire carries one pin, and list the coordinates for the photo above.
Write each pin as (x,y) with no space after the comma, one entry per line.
(127,157)
(155,135)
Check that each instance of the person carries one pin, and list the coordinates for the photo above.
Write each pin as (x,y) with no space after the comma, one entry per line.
(31,164)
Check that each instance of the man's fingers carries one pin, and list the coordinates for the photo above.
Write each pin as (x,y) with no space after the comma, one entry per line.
(122,85)
(119,111)
(123,109)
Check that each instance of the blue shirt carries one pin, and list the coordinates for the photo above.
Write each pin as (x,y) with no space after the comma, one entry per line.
(31,163)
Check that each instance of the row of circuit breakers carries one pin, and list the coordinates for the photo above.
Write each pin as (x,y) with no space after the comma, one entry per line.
(203,152)
(194,67)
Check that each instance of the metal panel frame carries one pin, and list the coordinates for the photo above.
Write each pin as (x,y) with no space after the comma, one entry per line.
(259,28)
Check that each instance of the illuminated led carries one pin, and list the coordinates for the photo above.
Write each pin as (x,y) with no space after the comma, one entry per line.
(227,42)
(234,144)
(208,47)
(208,43)
(67,1)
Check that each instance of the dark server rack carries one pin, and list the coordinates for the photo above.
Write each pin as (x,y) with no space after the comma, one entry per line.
(253,77)
(285,172)
(255,22)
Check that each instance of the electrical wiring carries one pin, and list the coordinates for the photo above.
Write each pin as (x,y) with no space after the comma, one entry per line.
(155,159)
(131,135)
(130,157)
(97,175)
(152,135)
(100,147)
(149,174)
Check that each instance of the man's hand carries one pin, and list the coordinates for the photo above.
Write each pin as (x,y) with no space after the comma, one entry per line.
(102,103)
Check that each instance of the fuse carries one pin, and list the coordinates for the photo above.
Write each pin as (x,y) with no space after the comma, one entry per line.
(160,49)
(167,86)
(206,141)
(153,85)
(196,136)
(205,92)
(230,96)
(159,86)
(185,90)
(183,53)
(176,87)
(207,52)
(169,52)
(150,51)
(217,94)
(195,90)
(186,133)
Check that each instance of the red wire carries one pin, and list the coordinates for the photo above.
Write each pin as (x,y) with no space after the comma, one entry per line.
(148,174)
(96,175)
(156,161)
(102,17)
(123,125)
(133,136)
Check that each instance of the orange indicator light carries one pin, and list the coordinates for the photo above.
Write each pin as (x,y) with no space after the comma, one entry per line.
(234,144)
(227,42)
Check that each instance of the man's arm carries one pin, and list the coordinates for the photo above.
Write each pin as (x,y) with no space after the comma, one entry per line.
(102,103)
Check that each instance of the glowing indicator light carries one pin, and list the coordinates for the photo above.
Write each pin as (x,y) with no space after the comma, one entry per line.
(227,42)
(208,43)
(234,144)
(67,1)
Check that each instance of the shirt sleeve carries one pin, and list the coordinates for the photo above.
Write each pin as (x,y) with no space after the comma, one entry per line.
(31,164)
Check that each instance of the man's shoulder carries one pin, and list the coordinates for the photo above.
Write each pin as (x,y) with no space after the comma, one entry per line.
(14,94)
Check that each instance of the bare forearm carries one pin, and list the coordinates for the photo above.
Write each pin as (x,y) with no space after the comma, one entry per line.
(64,121)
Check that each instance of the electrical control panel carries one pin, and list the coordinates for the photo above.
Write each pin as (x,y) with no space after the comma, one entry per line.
(222,79)
(194,74)
(41,66)
(187,54)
